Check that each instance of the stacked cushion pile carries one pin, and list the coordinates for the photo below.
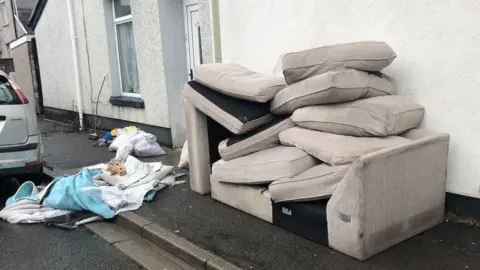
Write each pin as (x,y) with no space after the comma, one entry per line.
(300,133)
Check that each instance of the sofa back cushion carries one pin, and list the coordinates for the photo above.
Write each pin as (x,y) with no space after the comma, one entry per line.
(236,115)
(316,183)
(335,149)
(331,87)
(377,116)
(237,81)
(264,167)
(364,55)
(253,141)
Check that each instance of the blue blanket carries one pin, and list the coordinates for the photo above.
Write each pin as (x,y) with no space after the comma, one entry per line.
(79,192)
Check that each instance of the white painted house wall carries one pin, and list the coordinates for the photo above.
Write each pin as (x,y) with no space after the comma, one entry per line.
(56,64)
(437,42)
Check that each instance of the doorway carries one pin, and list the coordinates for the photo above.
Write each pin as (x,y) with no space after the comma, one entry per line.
(192,35)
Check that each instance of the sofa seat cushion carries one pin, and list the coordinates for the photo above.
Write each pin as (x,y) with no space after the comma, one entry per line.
(364,55)
(335,149)
(237,81)
(316,183)
(331,87)
(264,167)
(377,116)
(252,199)
(256,140)
(236,115)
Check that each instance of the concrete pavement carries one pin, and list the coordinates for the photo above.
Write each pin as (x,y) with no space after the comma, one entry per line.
(64,153)
(253,244)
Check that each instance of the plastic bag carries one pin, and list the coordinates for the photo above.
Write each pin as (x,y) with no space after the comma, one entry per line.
(184,156)
(123,152)
(146,147)
(141,136)
(122,139)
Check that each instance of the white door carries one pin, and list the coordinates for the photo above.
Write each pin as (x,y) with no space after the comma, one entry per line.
(192,34)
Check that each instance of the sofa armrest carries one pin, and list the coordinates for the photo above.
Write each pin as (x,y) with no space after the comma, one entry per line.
(388,196)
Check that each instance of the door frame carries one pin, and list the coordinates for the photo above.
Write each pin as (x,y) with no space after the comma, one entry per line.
(186,5)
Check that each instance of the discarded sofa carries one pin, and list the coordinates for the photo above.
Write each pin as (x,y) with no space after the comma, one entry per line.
(329,152)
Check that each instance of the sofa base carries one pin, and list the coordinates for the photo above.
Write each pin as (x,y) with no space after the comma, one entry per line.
(306,219)
(253,200)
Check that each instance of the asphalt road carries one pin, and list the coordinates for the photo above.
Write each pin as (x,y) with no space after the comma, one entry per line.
(37,247)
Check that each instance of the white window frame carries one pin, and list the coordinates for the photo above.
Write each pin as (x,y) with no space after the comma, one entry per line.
(118,21)
(3,6)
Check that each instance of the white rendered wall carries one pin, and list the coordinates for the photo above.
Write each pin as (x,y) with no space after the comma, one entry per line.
(56,64)
(437,42)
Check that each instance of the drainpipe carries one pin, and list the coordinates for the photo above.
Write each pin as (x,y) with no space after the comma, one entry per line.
(13,5)
(217,39)
(76,62)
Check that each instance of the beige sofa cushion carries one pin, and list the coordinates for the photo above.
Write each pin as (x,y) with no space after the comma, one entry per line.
(335,149)
(263,167)
(237,81)
(377,116)
(236,115)
(256,140)
(252,199)
(331,87)
(364,55)
(317,183)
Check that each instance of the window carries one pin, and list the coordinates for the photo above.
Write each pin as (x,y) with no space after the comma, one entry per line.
(127,60)
(3,9)
(8,96)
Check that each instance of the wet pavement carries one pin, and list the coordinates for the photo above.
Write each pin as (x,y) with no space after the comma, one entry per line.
(255,244)
(37,247)
(66,152)
(33,246)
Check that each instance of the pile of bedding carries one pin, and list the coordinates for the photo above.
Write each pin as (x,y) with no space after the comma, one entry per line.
(92,194)
(300,133)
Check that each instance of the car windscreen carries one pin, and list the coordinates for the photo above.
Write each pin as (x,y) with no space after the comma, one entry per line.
(8,96)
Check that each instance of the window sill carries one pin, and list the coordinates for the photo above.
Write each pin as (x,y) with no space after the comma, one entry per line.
(124,101)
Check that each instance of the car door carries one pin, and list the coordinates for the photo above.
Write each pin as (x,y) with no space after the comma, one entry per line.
(13,119)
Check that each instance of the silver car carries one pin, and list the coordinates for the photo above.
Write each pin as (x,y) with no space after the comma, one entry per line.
(21,147)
